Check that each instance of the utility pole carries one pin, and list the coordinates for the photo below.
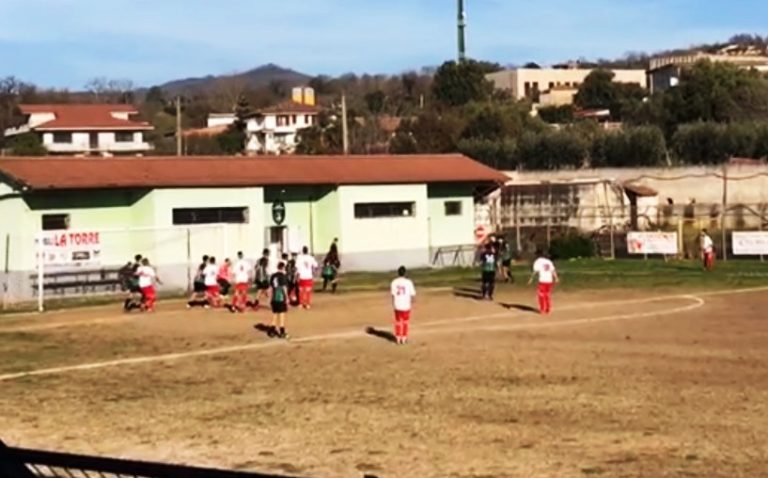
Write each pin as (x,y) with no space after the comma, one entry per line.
(344,126)
(179,151)
(462,27)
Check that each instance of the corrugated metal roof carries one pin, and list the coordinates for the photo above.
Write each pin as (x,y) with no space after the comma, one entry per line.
(226,171)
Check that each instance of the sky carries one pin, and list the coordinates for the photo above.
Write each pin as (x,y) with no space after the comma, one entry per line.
(65,43)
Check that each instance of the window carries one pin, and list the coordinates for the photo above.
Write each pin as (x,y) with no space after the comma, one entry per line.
(293,119)
(282,120)
(55,222)
(62,137)
(384,209)
(124,137)
(453,208)
(210,215)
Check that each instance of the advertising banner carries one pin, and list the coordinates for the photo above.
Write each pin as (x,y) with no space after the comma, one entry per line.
(750,243)
(652,243)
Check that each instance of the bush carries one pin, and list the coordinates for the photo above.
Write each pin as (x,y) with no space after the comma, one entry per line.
(571,246)
(563,149)
(639,146)
(496,154)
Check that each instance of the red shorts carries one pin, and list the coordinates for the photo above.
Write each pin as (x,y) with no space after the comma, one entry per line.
(212,289)
(148,292)
(242,287)
(306,283)
(402,315)
(545,288)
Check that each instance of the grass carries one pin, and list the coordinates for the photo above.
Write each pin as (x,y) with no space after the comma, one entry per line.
(574,274)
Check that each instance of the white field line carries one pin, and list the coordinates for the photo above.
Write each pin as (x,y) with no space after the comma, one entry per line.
(356,334)
(137,317)
(698,303)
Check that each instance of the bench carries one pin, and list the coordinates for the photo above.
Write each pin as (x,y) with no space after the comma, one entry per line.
(85,281)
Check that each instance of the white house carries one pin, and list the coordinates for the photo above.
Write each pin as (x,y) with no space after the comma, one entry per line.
(86,129)
(272,130)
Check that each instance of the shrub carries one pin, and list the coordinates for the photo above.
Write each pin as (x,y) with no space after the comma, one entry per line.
(571,246)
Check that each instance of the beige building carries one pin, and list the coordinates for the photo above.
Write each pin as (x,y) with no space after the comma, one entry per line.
(533,82)
(665,72)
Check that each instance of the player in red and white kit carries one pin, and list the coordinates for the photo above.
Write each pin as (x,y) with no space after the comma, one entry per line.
(147,278)
(403,292)
(242,276)
(707,250)
(306,265)
(211,279)
(544,269)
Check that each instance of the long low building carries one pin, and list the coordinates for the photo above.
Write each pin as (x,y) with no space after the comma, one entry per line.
(89,216)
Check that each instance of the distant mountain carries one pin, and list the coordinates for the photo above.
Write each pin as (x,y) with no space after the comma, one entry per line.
(260,76)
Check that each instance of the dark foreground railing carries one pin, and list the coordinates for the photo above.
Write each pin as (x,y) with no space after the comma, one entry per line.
(24,463)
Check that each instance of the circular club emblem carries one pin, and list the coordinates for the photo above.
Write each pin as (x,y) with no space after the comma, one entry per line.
(278,212)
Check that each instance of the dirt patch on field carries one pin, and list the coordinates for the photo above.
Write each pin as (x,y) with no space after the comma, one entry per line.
(610,385)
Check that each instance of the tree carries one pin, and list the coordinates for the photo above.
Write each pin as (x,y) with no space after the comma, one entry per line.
(375,102)
(27,144)
(632,147)
(456,84)
(497,154)
(718,92)
(324,137)
(552,150)
(597,91)
(431,132)
(557,114)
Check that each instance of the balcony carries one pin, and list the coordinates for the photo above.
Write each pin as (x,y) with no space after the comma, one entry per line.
(111,148)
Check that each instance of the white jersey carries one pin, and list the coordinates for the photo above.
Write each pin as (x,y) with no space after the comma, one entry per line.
(403,292)
(305,267)
(242,271)
(545,269)
(211,274)
(146,276)
(706,244)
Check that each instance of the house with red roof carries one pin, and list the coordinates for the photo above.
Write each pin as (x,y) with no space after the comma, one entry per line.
(271,130)
(86,129)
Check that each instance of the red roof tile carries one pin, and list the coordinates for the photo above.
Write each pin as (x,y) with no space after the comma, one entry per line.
(289,107)
(217,171)
(85,117)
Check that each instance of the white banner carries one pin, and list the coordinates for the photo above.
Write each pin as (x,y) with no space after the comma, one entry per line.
(750,243)
(652,243)
(62,249)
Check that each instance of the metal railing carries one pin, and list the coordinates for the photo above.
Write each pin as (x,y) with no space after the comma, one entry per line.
(26,463)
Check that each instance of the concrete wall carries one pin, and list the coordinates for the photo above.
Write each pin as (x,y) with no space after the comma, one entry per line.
(445,230)
(680,184)
(544,79)
(81,143)
(384,243)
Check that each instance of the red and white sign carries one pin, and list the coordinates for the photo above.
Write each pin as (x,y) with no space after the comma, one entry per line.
(70,249)
(652,243)
(481,233)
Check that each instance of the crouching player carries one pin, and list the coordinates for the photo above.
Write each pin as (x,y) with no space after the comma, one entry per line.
(403,292)
(147,279)
(544,269)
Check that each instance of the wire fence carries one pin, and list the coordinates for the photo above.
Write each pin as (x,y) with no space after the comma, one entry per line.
(531,226)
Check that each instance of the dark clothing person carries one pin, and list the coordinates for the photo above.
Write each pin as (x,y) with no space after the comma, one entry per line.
(330,271)
(488,274)
(279,286)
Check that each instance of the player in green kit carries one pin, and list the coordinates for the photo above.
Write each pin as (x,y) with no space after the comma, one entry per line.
(279,285)
(488,274)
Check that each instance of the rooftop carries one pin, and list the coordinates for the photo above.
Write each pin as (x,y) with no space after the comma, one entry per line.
(48,173)
(70,117)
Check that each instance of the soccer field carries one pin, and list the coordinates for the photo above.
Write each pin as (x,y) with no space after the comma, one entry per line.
(617,382)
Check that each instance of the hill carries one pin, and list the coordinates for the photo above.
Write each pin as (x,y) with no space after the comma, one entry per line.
(257,77)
